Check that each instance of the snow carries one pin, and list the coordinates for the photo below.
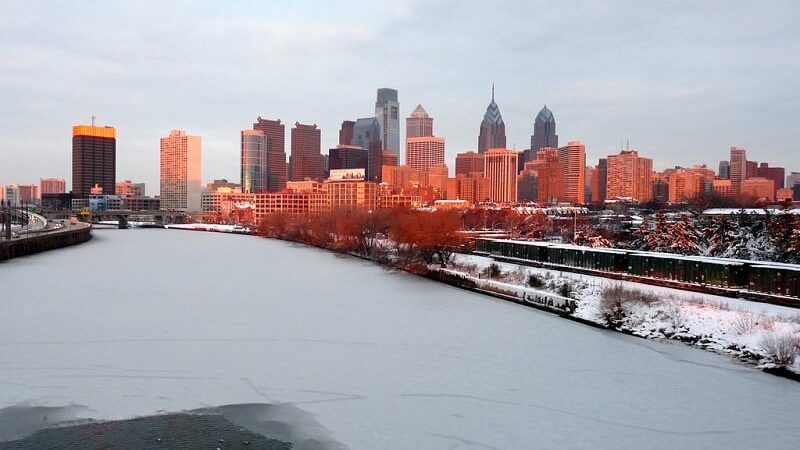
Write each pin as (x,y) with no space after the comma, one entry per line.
(209,227)
(139,321)
(722,324)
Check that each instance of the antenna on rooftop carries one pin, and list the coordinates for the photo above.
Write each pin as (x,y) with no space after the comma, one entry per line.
(628,144)
(92,120)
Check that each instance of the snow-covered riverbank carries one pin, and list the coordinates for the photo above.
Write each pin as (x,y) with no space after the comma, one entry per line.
(762,334)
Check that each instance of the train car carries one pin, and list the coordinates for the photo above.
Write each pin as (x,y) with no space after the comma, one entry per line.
(602,259)
(774,279)
(689,269)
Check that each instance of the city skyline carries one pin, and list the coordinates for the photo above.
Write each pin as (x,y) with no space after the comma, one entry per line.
(677,87)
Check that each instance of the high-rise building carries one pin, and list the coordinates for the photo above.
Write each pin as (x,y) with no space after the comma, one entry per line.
(684,185)
(275,169)
(752,167)
(387,111)
(389,159)
(500,167)
(469,162)
(348,157)
(367,135)
(588,191)
(424,152)
(776,174)
(493,130)
(52,186)
(544,130)
(419,124)
(253,162)
(94,159)
(792,179)
(346,132)
(724,170)
(738,168)
(602,180)
(629,176)
(180,172)
(128,188)
(573,163)
(306,161)
(757,188)
(549,176)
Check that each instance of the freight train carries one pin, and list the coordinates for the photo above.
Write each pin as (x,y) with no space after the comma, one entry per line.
(763,281)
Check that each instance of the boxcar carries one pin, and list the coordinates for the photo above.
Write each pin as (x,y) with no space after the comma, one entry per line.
(774,279)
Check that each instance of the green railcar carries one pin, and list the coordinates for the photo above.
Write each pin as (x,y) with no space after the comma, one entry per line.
(778,280)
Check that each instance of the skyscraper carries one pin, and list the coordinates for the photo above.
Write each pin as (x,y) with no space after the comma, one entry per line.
(724,170)
(544,130)
(469,162)
(387,111)
(738,169)
(367,135)
(52,186)
(549,175)
(254,161)
(424,152)
(419,124)
(501,170)
(493,130)
(180,172)
(573,163)
(629,176)
(276,170)
(602,180)
(94,159)
(346,132)
(306,161)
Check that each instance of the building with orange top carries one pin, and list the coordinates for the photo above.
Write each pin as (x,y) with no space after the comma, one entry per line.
(94,159)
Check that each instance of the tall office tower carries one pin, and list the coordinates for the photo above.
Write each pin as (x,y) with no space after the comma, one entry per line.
(549,175)
(629,176)
(306,161)
(776,174)
(588,191)
(387,111)
(500,167)
(52,186)
(792,179)
(348,157)
(602,180)
(276,170)
(573,163)
(254,161)
(752,167)
(424,152)
(180,172)
(346,132)
(367,135)
(738,169)
(544,130)
(94,159)
(469,162)
(493,130)
(724,170)
(419,124)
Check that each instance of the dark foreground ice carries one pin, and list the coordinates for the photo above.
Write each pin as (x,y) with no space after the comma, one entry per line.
(143,322)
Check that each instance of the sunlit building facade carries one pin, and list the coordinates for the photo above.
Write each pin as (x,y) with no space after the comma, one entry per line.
(501,170)
(94,159)
(180,172)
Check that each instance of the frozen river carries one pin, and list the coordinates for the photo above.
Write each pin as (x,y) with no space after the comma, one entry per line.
(136,322)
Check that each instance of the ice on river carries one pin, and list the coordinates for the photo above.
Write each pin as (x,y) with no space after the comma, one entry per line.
(140,321)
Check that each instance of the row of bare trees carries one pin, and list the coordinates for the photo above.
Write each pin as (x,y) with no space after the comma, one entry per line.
(399,236)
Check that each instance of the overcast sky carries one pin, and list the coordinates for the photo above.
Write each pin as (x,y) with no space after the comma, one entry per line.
(682,80)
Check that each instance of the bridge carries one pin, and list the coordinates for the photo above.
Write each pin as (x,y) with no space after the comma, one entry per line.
(121,216)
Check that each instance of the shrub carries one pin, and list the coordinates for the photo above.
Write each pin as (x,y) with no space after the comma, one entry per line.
(744,323)
(493,271)
(535,281)
(566,288)
(781,348)
(676,315)
(612,306)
